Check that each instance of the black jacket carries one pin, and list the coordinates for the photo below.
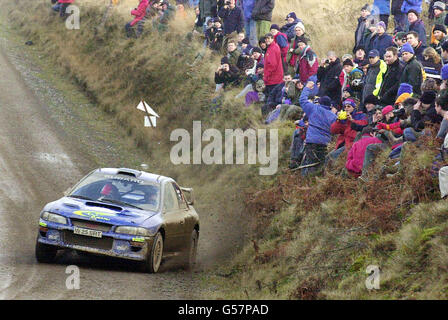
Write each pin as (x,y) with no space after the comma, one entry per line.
(390,84)
(413,75)
(418,119)
(329,81)
(263,10)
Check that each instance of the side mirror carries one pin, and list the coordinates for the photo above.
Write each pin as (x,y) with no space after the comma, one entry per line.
(188,195)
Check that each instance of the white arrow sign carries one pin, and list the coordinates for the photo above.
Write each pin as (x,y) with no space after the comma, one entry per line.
(151,117)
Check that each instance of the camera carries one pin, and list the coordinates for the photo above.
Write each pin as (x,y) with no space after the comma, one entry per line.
(400,113)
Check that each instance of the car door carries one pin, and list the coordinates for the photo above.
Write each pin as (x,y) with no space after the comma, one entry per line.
(189,220)
(173,217)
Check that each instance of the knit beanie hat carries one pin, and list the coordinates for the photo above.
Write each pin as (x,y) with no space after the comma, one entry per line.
(275,26)
(439,5)
(413,11)
(428,97)
(439,27)
(402,97)
(381,24)
(404,88)
(347,62)
(444,72)
(325,101)
(387,109)
(407,48)
(300,25)
(291,15)
(225,60)
(371,99)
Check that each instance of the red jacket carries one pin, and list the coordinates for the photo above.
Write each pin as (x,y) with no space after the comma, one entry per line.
(394,127)
(66,1)
(273,67)
(346,133)
(140,12)
(355,157)
(308,65)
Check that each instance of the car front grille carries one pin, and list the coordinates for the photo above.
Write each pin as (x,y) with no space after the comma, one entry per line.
(104,243)
(104,227)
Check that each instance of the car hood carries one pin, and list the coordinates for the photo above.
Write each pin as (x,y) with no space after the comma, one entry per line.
(99,211)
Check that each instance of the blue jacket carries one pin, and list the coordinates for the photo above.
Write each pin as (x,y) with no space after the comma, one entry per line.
(412,4)
(320,119)
(419,27)
(381,43)
(232,20)
(383,6)
(248,6)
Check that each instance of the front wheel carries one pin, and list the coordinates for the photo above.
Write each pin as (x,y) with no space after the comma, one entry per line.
(45,253)
(154,258)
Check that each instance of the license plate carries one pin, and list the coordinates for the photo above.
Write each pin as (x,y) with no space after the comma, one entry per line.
(88,232)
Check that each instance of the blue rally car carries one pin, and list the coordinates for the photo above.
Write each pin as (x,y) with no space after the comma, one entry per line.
(122,213)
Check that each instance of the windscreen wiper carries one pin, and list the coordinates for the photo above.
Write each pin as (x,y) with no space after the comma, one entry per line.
(81,197)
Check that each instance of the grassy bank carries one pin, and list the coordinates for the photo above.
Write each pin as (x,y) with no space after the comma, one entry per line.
(304,239)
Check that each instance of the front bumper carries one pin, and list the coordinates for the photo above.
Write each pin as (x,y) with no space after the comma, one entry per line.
(111,244)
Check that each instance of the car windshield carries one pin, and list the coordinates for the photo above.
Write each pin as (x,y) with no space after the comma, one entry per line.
(118,189)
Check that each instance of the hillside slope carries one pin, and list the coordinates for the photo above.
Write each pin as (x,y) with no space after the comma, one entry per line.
(310,239)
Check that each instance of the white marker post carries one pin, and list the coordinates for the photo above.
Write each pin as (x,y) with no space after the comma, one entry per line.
(151,117)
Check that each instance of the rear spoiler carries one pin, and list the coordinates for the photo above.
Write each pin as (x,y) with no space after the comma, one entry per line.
(189,195)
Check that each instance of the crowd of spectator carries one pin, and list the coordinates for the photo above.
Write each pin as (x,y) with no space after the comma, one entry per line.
(388,92)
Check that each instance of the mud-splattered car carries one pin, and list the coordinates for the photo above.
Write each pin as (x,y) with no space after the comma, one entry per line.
(122,213)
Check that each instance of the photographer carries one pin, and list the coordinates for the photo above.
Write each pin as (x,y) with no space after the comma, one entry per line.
(226,75)
(139,13)
(423,116)
(232,17)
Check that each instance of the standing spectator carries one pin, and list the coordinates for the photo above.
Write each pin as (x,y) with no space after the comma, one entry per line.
(432,62)
(369,35)
(381,8)
(208,10)
(249,23)
(289,27)
(374,76)
(353,79)
(262,14)
(232,17)
(412,73)
(417,25)
(400,39)
(439,37)
(439,12)
(411,5)
(360,55)
(318,135)
(307,60)
(282,40)
(391,79)
(362,25)
(139,13)
(417,45)
(383,40)
(273,66)
(215,35)
(328,76)
(399,17)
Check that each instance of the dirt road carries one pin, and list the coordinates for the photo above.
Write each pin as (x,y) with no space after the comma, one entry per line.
(38,161)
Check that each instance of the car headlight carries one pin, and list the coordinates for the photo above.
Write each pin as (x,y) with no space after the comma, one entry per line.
(52,217)
(133,231)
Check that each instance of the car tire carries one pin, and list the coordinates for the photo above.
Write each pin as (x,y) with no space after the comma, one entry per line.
(189,256)
(155,254)
(45,253)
